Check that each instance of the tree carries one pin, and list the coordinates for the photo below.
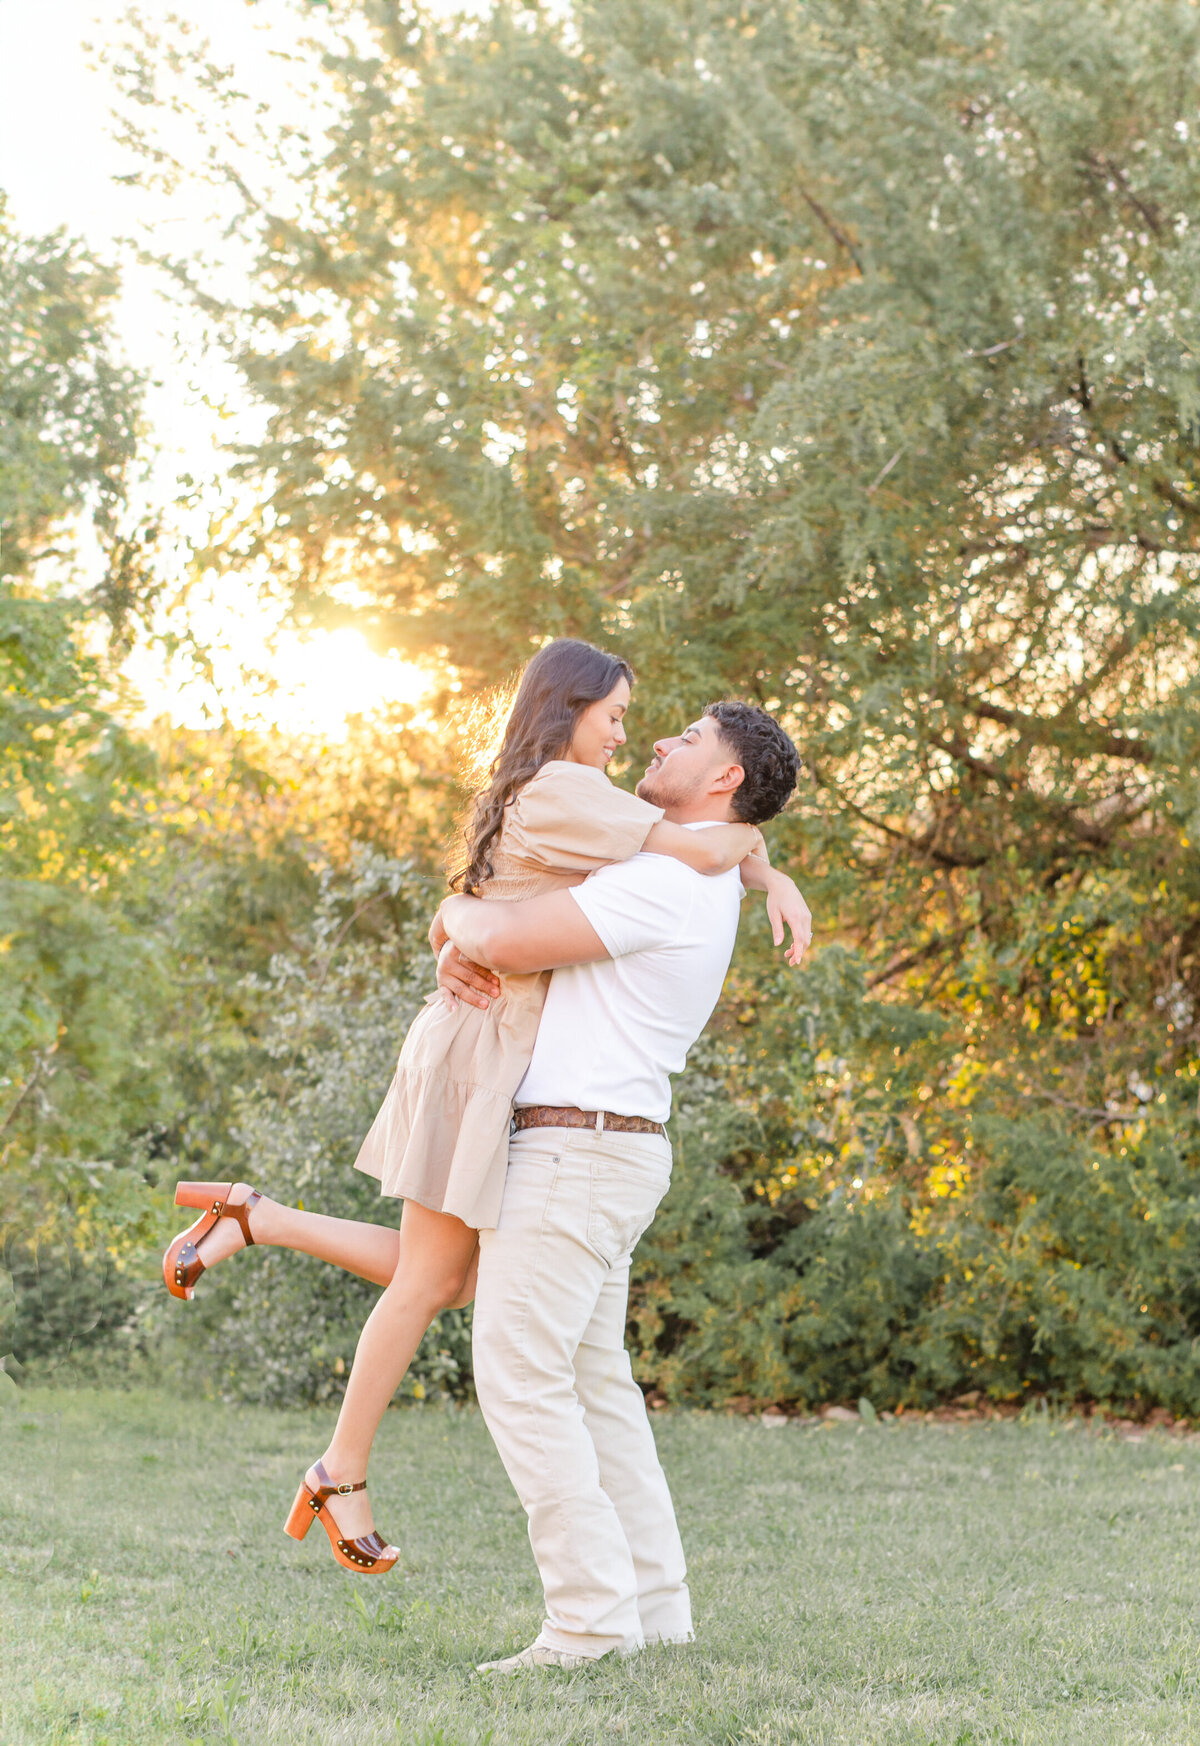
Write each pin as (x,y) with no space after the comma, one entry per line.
(69,412)
(839,354)
(78,980)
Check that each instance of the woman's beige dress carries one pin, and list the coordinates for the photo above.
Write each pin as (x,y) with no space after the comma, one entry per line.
(441,1135)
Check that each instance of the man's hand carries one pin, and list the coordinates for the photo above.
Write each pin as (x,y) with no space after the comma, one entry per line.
(459,979)
(787,909)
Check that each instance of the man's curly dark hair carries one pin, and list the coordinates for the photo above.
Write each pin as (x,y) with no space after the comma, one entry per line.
(768,757)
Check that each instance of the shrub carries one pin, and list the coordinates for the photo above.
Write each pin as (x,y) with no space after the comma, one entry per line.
(808,1251)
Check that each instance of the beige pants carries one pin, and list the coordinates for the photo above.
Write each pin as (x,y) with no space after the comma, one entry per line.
(558,1394)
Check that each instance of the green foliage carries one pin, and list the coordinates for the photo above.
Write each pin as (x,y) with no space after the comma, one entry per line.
(80,982)
(69,429)
(812,1249)
(147,892)
(842,355)
(67,1301)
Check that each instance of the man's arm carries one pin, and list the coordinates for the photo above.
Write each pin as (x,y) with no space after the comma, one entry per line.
(540,933)
(785,906)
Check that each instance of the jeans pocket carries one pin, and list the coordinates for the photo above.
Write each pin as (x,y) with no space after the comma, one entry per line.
(529,1185)
(623,1201)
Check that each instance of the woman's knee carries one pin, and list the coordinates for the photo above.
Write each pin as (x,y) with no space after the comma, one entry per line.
(466,1285)
(432,1289)
(435,1259)
(452,1293)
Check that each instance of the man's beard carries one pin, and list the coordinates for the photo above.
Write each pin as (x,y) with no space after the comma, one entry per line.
(657,787)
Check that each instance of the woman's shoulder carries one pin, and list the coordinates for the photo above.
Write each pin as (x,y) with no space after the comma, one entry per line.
(570,818)
(565,770)
(561,776)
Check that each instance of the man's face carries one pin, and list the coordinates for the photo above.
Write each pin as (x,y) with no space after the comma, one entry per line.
(685,767)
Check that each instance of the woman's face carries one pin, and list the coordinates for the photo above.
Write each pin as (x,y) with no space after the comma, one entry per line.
(599,730)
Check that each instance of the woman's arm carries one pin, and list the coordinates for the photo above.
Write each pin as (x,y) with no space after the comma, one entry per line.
(785,906)
(715,849)
(437,935)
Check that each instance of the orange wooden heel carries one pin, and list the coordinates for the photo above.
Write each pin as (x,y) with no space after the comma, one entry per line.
(182,1265)
(368,1555)
(201,1193)
(302,1516)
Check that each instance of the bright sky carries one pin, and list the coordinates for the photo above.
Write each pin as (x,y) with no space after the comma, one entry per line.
(57,164)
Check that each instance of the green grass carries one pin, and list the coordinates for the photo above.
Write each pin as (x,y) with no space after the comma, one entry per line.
(918,1584)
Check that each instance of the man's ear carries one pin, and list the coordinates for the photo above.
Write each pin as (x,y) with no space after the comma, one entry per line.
(730,778)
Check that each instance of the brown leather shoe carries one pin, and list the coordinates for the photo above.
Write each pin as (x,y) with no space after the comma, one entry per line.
(182,1265)
(368,1555)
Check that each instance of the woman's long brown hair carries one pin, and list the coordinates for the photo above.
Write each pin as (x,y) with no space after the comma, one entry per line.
(556,687)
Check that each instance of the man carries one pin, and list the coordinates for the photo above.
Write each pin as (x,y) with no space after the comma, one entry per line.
(639,953)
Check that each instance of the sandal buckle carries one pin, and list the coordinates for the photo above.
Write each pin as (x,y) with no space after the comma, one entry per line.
(344,1490)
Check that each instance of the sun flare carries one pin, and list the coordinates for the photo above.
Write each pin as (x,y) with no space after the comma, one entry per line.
(325,678)
(270,678)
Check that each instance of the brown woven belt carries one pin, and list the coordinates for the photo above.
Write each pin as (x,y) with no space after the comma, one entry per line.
(542,1115)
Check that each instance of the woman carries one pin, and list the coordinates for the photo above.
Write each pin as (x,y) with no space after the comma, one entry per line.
(548,817)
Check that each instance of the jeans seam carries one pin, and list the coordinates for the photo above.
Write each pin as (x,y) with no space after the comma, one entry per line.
(560,1498)
(592,1211)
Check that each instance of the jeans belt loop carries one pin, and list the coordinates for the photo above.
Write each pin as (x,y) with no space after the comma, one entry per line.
(599,1121)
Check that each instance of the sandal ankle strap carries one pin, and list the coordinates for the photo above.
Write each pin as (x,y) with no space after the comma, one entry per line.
(328,1489)
(240,1213)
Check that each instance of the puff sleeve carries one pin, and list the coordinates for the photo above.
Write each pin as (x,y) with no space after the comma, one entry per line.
(569,818)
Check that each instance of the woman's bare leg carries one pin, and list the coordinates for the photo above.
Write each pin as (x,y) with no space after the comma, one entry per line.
(370,1251)
(435,1263)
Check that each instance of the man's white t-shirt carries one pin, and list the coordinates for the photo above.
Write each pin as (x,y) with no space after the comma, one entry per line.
(612,1032)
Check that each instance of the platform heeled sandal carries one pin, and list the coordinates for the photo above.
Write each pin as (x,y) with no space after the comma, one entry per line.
(368,1555)
(182,1265)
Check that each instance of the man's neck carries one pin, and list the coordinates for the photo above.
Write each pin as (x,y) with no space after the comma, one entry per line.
(715,809)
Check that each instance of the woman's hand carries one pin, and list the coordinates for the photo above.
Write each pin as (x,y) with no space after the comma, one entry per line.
(459,979)
(787,909)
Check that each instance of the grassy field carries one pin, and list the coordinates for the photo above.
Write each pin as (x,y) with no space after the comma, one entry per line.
(900,1583)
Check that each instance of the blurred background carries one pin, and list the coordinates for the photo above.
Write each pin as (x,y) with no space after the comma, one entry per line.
(840,356)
